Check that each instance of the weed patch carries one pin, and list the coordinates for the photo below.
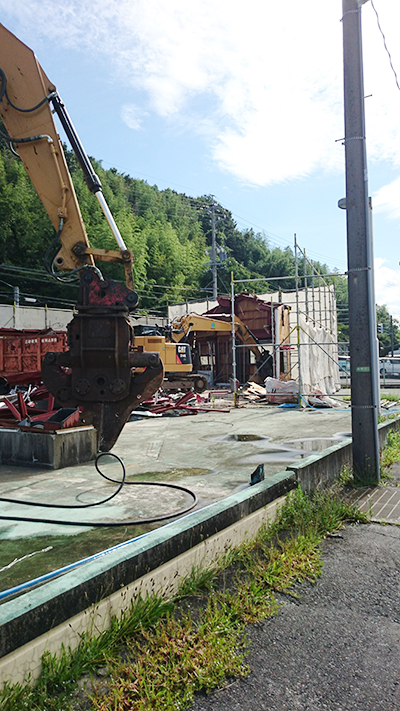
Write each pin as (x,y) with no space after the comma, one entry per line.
(391,453)
(175,659)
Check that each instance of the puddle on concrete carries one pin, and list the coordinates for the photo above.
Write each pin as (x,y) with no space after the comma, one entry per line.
(245,438)
(313,444)
(318,444)
(270,458)
(273,455)
(236,438)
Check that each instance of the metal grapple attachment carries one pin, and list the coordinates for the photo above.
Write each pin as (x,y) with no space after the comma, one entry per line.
(97,373)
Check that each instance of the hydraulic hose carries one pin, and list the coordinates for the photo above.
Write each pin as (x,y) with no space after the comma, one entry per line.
(101,524)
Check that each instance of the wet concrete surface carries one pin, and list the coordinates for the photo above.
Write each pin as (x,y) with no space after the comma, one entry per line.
(213,454)
(335,646)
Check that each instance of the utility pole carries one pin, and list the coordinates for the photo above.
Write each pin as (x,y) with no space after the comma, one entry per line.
(16,307)
(214,254)
(362,317)
(235,393)
(391,336)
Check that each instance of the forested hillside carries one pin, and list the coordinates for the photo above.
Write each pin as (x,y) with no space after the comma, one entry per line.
(169,234)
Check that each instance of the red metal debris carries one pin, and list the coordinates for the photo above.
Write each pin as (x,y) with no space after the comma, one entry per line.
(160,405)
(35,412)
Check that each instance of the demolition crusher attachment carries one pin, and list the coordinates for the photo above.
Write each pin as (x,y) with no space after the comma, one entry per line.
(102,373)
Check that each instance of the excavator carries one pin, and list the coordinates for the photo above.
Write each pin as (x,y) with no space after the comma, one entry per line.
(105,372)
(183,326)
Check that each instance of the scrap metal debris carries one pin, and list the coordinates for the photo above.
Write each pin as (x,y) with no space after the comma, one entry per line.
(33,409)
(177,405)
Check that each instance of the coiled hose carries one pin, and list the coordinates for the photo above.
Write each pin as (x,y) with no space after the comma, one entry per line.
(98,524)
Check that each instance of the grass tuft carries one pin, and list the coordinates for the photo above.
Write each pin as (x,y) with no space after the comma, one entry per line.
(197,581)
(174,660)
(390,454)
(315,516)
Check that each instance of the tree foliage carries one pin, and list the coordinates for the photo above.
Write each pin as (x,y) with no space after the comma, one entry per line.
(386,325)
(169,233)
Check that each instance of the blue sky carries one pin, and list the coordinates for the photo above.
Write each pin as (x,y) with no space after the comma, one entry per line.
(239,100)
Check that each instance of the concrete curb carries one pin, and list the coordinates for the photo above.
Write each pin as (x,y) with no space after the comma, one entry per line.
(35,613)
(320,471)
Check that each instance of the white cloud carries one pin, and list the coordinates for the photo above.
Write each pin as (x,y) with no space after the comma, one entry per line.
(260,81)
(387,199)
(387,286)
(133,116)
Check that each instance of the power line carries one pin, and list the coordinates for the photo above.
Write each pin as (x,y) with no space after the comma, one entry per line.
(385,45)
(269,234)
(276,238)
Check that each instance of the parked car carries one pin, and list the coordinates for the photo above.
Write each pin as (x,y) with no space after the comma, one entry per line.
(389,367)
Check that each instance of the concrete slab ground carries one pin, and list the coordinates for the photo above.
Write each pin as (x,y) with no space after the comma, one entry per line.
(213,454)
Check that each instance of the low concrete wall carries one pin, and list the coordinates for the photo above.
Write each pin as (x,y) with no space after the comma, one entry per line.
(39,317)
(55,450)
(21,317)
(117,577)
(385,427)
(319,471)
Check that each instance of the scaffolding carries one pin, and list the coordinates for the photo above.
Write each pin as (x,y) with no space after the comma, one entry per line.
(313,328)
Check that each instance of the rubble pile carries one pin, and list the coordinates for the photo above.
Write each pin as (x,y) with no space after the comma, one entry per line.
(177,404)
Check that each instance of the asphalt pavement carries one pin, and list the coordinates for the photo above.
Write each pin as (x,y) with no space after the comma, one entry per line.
(336,646)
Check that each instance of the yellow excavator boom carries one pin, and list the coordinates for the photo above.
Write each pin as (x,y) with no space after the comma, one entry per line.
(41,151)
(184,325)
(103,373)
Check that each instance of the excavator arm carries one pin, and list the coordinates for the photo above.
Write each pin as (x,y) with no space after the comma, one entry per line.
(182,326)
(97,373)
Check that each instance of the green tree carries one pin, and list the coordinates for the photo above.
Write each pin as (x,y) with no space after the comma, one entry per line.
(383,319)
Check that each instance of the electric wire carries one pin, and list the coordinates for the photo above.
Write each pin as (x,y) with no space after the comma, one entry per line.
(101,524)
(385,45)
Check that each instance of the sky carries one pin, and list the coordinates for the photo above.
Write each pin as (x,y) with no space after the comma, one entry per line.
(242,100)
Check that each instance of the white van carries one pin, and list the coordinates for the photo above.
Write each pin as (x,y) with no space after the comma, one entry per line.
(344,366)
(389,367)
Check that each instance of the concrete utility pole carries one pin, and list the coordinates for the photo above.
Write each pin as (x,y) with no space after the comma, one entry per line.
(362,316)
(391,336)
